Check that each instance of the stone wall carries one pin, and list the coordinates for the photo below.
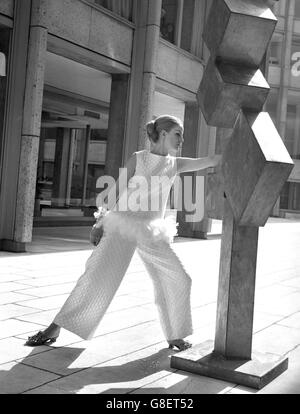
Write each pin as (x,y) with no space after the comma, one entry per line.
(7,7)
(82,24)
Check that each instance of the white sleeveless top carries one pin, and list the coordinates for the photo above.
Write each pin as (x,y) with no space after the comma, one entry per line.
(140,210)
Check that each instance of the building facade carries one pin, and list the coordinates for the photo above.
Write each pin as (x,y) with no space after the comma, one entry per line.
(284,100)
(79,79)
(82,78)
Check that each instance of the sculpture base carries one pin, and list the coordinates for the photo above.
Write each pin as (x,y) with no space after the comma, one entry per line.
(254,373)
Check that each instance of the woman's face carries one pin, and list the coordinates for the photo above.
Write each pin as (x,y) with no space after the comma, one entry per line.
(173,139)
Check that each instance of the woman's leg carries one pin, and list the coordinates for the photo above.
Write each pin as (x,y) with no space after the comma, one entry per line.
(95,289)
(172,288)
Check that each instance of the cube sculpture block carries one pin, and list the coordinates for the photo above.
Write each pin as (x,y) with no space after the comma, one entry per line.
(226,88)
(239,30)
(214,195)
(255,166)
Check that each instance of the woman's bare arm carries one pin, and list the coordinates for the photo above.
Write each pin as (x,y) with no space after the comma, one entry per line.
(195,164)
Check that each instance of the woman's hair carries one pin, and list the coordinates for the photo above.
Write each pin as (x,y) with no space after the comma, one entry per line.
(162,123)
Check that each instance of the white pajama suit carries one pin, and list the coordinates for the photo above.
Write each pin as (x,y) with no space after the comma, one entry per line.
(124,232)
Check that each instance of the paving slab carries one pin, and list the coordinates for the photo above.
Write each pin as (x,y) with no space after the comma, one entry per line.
(16,378)
(10,311)
(126,373)
(276,339)
(13,327)
(12,349)
(13,297)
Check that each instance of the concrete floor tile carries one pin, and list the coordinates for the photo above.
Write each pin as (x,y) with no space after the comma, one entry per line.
(13,297)
(46,389)
(12,276)
(51,280)
(43,292)
(276,339)
(273,293)
(13,349)
(293,282)
(11,287)
(69,359)
(16,378)
(52,302)
(262,320)
(285,306)
(13,327)
(125,374)
(185,383)
(11,311)
(292,321)
(41,317)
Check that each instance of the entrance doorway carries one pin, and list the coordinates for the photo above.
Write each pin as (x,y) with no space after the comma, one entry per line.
(73,141)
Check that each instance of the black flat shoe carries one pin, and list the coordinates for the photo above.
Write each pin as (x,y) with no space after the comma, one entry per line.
(181,345)
(39,339)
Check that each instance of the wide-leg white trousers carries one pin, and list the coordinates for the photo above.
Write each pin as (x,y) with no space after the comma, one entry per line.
(105,269)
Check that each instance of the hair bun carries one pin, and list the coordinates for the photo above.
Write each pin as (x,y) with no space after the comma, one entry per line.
(151,130)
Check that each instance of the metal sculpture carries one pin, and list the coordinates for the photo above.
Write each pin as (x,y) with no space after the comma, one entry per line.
(255,166)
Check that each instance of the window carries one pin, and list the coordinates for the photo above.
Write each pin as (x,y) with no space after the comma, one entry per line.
(123,8)
(297,9)
(275,49)
(187,24)
(177,22)
(168,23)
(295,58)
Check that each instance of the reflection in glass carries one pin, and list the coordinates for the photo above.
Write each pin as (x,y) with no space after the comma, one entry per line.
(123,8)
(70,162)
(187,24)
(276,49)
(168,20)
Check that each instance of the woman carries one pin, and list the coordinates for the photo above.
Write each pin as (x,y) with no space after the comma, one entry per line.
(137,226)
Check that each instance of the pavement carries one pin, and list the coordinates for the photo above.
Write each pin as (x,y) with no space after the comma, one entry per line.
(128,353)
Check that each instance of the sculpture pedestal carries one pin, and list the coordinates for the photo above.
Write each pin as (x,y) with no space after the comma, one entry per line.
(255,373)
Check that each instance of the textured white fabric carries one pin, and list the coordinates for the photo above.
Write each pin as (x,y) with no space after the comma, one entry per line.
(149,232)
(105,269)
(148,189)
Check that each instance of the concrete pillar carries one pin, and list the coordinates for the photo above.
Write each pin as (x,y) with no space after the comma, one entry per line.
(281,118)
(61,167)
(116,125)
(12,131)
(31,122)
(143,74)
(149,70)
(196,144)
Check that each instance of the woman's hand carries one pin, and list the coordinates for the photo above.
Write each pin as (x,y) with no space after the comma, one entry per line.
(96,235)
(215,160)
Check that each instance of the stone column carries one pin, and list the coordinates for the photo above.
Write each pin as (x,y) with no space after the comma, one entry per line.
(31,122)
(196,144)
(143,74)
(116,125)
(13,125)
(149,69)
